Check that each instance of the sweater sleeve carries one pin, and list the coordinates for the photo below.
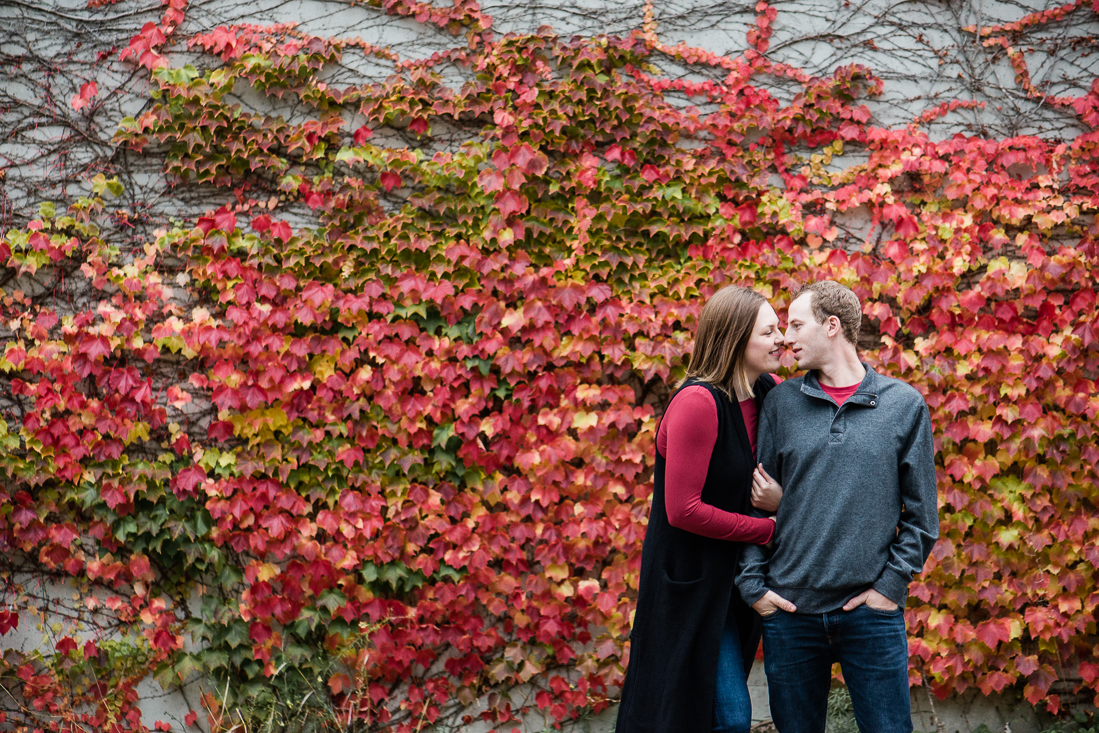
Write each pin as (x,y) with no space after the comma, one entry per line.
(752,568)
(918,528)
(690,427)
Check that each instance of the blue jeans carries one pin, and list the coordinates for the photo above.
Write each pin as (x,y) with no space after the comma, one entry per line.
(732,705)
(872,650)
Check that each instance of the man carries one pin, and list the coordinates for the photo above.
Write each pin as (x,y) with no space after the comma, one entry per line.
(854,453)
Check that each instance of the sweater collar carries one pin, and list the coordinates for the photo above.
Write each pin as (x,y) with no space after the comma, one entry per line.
(866,394)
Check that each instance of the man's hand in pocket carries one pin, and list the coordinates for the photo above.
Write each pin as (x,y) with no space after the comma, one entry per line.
(772,603)
(871,598)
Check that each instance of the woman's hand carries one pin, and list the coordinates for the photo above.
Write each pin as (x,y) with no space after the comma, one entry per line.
(766,493)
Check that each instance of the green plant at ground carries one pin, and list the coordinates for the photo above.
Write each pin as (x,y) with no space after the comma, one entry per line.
(841,715)
(1081,722)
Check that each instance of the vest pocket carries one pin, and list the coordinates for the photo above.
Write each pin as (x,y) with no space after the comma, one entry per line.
(682,569)
(681,585)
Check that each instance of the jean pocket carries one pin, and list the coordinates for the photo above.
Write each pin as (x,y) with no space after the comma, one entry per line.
(899,610)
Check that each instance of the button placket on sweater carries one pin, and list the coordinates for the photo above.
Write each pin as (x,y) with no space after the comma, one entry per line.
(837,428)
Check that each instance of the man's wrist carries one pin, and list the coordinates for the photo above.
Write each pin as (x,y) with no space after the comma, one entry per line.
(892,586)
(753,593)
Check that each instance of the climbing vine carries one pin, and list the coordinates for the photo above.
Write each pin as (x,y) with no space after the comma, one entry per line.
(369,443)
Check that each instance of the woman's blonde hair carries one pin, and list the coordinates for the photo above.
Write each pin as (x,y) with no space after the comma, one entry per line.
(721,340)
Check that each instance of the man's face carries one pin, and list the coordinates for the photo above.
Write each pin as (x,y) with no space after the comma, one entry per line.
(806,337)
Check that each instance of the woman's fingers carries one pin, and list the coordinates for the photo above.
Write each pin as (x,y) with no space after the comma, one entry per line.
(760,478)
(765,490)
(763,472)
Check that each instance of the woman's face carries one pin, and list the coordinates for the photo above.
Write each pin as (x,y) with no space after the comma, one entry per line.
(765,344)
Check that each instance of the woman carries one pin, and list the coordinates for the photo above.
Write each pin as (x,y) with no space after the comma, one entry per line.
(693,638)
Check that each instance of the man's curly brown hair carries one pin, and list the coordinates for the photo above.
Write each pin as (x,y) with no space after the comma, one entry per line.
(832,299)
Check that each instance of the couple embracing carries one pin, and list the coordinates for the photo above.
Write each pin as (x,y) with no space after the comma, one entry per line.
(797,511)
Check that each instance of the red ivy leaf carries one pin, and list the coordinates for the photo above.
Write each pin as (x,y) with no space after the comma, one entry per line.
(894,211)
(511,202)
(90,649)
(995,681)
(225,220)
(281,230)
(490,180)
(186,480)
(113,495)
(140,567)
(1026,664)
(259,632)
(907,227)
(338,682)
(362,134)
(96,347)
(390,180)
(522,155)
(993,631)
(87,91)
(221,430)
(254,396)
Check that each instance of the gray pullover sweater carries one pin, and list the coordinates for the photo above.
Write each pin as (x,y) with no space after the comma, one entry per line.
(860,505)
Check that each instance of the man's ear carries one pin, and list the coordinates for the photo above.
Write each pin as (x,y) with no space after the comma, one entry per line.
(834,326)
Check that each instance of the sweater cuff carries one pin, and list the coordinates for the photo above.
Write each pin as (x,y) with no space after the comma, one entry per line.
(751,591)
(893,586)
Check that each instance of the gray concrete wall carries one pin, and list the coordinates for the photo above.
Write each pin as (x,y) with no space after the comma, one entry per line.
(958,714)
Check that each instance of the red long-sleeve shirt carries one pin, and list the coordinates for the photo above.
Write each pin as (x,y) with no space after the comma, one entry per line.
(686,438)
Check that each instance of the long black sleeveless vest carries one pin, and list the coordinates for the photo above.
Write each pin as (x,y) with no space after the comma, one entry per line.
(686,590)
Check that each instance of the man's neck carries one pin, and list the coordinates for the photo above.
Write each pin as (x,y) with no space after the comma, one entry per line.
(843,371)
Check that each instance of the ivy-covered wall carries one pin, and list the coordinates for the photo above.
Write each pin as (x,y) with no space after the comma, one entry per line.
(367,443)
